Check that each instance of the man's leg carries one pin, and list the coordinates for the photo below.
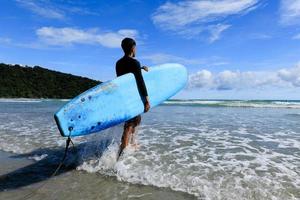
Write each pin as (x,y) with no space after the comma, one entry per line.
(129,129)
(137,122)
(132,136)
(125,137)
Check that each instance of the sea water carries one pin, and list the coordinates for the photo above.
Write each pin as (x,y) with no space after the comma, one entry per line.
(208,149)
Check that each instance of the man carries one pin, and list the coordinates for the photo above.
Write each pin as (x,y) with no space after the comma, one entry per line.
(127,64)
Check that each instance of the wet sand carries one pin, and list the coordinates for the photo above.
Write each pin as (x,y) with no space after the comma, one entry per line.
(21,176)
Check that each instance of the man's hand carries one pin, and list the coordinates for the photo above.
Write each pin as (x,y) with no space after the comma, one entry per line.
(145,68)
(146,105)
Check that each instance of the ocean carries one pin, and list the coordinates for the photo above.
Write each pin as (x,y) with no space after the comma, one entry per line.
(189,149)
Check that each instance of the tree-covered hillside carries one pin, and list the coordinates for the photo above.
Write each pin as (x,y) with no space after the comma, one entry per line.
(37,82)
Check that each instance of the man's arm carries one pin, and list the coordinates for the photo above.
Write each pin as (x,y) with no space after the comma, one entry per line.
(146,104)
(141,86)
(118,73)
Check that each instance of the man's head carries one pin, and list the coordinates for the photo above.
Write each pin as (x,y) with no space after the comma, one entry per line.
(128,46)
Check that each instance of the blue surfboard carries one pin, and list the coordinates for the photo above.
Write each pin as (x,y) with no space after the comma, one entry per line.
(118,100)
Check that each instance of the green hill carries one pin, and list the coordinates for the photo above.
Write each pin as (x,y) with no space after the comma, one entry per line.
(36,82)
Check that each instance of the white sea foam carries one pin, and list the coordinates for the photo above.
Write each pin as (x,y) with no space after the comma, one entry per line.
(237,103)
(203,102)
(20,100)
(65,100)
(215,169)
(38,157)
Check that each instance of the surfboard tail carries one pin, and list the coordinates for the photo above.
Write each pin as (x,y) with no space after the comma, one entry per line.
(59,126)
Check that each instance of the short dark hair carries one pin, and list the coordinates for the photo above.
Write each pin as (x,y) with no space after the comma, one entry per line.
(127,44)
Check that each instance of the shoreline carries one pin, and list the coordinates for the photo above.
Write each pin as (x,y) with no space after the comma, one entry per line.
(70,183)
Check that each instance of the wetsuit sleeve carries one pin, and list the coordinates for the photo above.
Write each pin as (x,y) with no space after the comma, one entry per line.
(140,80)
(117,70)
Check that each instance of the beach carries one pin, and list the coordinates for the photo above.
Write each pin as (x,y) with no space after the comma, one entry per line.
(189,149)
(71,185)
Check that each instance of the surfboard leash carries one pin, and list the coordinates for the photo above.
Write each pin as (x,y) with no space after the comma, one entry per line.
(34,192)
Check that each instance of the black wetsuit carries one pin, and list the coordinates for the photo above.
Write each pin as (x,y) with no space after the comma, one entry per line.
(130,65)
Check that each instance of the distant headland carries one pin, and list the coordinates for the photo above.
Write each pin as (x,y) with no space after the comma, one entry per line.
(18,81)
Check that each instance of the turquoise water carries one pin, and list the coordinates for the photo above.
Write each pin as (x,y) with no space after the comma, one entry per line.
(212,149)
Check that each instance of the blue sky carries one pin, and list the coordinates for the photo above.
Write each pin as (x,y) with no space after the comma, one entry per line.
(233,49)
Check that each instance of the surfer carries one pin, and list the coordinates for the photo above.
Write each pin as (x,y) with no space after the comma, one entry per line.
(127,64)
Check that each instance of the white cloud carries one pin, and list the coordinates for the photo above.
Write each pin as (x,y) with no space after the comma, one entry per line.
(260,36)
(4,40)
(203,78)
(216,31)
(297,37)
(291,75)
(55,10)
(159,58)
(229,80)
(290,12)
(42,9)
(195,15)
(68,36)
(173,15)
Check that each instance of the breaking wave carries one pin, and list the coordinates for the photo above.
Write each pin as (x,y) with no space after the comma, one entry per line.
(237,103)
